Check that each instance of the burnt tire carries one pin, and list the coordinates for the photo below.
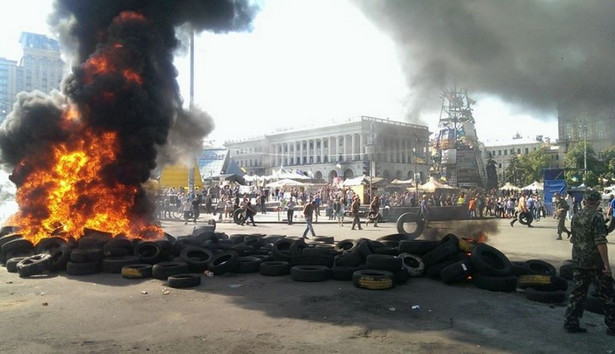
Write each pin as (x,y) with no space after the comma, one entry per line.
(542,282)
(196,258)
(493,283)
(417,247)
(248,264)
(59,257)
(456,273)
(274,268)
(281,249)
(350,259)
(86,255)
(410,225)
(148,252)
(348,245)
(115,264)
(137,271)
(413,264)
(544,296)
(186,280)
(384,262)
(373,279)
(48,244)
(441,253)
(566,270)
(16,247)
(34,265)
(310,273)
(223,262)
(84,268)
(163,270)
(488,260)
(11,264)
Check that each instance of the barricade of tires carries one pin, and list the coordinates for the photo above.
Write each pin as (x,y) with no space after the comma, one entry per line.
(372,265)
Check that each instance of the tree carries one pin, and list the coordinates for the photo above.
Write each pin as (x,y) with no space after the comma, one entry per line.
(514,171)
(608,162)
(492,175)
(532,165)
(575,162)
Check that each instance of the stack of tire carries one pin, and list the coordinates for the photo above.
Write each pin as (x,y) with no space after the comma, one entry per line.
(447,261)
(540,282)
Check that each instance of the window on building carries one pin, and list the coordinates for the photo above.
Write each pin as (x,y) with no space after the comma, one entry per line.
(527,151)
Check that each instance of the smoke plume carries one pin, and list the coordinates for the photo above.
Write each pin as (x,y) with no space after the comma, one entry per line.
(540,54)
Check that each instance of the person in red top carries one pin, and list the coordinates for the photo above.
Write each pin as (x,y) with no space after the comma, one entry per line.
(308,212)
(472,208)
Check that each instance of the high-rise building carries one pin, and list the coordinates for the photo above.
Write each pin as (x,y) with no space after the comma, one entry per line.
(40,68)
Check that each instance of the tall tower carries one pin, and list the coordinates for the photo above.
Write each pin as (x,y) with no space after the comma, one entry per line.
(457,153)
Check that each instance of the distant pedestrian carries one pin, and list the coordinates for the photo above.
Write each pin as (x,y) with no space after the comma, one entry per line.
(354,209)
(290,210)
(308,212)
(561,210)
(424,211)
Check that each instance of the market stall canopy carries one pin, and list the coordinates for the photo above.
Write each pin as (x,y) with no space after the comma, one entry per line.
(285,183)
(535,186)
(399,181)
(509,186)
(432,185)
(357,181)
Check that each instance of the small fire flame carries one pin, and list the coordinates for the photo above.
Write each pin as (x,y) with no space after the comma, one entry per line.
(63,188)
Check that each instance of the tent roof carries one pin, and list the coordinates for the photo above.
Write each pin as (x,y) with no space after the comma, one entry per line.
(534,186)
(508,186)
(432,185)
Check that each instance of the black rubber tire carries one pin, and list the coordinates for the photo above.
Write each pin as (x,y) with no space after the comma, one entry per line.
(417,247)
(46,245)
(185,280)
(343,273)
(348,245)
(115,264)
(86,255)
(537,266)
(16,247)
(7,230)
(137,271)
(330,240)
(59,257)
(384,262)
(518,268)
(488,260)
(394,237)
(117,247)
(525,218)
(566,270)
(86,268)
(349,259)
(542,282)
(274,268)
(366,247)
(401,276)
(148,252)
(440,254)
(373,279)
(593,304)
(238,217)
(326,261)
(11,264)
(320,251)
(281,249)
(223,262)
(390,251)
(163,270)
(412,218)
(456,273)
(413,264)
(248,264)
(297,247)
(196,258)
(94,239)
(10,237)
(547,297)
(34,265)
(493,283)
(310,273)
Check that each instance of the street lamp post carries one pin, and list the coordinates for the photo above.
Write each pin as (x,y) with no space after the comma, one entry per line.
(369,152)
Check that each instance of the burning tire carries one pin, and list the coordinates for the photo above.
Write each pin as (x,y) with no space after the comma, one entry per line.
(163,270)
(547,297)
(310,273)
(48,244)
(456,273)
(187,280)
(488,260)
(223,262)
(34,265)
(413,264)
(86,268)
(115,264)
(274,268)
(373,279)
(137,271)
(411,225)
(491,283)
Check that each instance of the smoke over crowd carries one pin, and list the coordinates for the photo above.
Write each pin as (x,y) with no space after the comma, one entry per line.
(119,106)
(540,54)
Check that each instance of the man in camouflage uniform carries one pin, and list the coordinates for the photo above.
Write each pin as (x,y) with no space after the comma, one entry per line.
(561,210)
(591,264)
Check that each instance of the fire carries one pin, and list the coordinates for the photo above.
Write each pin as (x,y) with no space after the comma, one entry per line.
(73,195)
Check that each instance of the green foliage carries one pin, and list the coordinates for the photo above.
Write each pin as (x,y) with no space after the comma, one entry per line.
(525,169)
(575,162)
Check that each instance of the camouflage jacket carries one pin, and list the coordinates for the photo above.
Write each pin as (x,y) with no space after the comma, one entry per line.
(588,230)
(561,204)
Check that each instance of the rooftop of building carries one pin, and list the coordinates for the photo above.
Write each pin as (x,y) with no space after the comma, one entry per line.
(38,41)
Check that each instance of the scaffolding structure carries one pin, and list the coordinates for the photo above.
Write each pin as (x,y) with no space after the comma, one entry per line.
(457,154)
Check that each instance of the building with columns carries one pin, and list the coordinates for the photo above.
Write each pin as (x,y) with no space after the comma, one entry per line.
(397,149)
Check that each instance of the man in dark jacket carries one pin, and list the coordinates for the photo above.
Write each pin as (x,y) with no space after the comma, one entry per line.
(591,265)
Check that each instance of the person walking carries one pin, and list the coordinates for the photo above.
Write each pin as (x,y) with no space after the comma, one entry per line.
(424,210)
(308,212)
(341,213)
(290,210)
(354,209)
(374,211)
(561,210)
(523,212)
(249,213)
(591,265)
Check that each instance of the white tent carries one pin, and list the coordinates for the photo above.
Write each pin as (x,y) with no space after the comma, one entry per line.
(432,185)
(285,183)
(535,186)
(509,186)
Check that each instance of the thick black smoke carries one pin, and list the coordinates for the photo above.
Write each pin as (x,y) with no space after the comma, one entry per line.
(145,111)
(540,54)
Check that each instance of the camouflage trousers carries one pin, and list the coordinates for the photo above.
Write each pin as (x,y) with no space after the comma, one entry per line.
(581,280)
(561,225)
